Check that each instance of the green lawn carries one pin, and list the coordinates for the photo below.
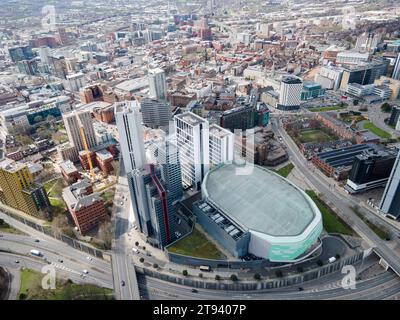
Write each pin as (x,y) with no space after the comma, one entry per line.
(380,232)
(379,132)
(285,171)
(108,195)
(197,245)
(332,223)
(314,135)
(31,289)
(54,188)
(328,108)
(5,227)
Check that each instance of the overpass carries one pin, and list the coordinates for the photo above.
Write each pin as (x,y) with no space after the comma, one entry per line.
(388,260)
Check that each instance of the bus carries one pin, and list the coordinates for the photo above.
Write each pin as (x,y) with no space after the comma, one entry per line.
(36,253)
(205,268)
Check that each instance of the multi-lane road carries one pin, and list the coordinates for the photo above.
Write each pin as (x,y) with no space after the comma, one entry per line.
(124,275)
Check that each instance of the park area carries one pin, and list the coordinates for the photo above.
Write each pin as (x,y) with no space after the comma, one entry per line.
(197,245)
(314,136)
(285,171)
(54,191)
(327,108)
(31,289)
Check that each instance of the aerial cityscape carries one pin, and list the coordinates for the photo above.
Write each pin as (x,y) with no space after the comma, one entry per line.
(200,150)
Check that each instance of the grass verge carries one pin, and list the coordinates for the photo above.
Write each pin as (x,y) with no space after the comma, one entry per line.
(197,245)
(285,171)
(31,289)
(377,131)
(332,222)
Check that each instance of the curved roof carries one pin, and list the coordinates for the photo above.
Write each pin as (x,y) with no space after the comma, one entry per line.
(261,201)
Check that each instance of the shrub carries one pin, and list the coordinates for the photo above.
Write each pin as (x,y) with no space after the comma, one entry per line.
(22,296)
(200,275)
(155,265)
(217,277)
(300,269)
(279,273)
(257,276)
(185,273)
(234,277)
(337,256)
(136,243)
(320,263)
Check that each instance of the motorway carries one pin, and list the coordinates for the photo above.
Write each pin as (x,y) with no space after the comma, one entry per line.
(332,196)
(73,261)
(384,286)
(124,275)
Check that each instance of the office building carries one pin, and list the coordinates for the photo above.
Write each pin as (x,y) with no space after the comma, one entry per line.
(21,53)
(221,145)
(74,82)
(390,203)
(204,30)
(86,208)
(155,113)
(129,125)
(368,41)
(152,205)
(351,57)
(157,84)
(370,170)
(396,69)
(44,53)
(75,120)
(260,213)
(290,93)
(394,116)
(18,189)
(192,138)
(239,118)
(329,77)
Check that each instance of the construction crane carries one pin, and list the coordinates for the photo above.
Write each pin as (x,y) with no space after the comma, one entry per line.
(87,151)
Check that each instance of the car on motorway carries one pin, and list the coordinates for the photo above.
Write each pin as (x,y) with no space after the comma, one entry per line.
(16,261)
(301,289)
(122,203)
(123,283)
(60,260)
(194,290)
(85,271)
(89,258)
(37,240)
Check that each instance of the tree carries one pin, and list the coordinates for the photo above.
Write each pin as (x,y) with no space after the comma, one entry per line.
(320,263)
(136,243)
(155,265)
(38,119)
(337,256)
(386,107)
(257,276)
(217,277)
(200,275)
(234,277)
(185,273)
(300,269)
(141,260)
(279,273)
(105,234)
(355,102)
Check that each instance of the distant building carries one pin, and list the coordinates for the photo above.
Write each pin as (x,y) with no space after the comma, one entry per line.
(390,203)
(18,189)
(370,170)
(155,113)
(329,77)
(21,53)
(394,116)
(290,93)
(312,90)
(86,208)
(396,69)
(240,118)
(157,84)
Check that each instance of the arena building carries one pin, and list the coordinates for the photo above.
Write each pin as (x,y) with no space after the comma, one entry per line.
(252,210)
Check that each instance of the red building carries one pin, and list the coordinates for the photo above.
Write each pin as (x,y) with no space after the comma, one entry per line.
(69,172)
(86,208)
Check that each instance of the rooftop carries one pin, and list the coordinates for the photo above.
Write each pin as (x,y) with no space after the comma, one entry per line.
(260,201)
